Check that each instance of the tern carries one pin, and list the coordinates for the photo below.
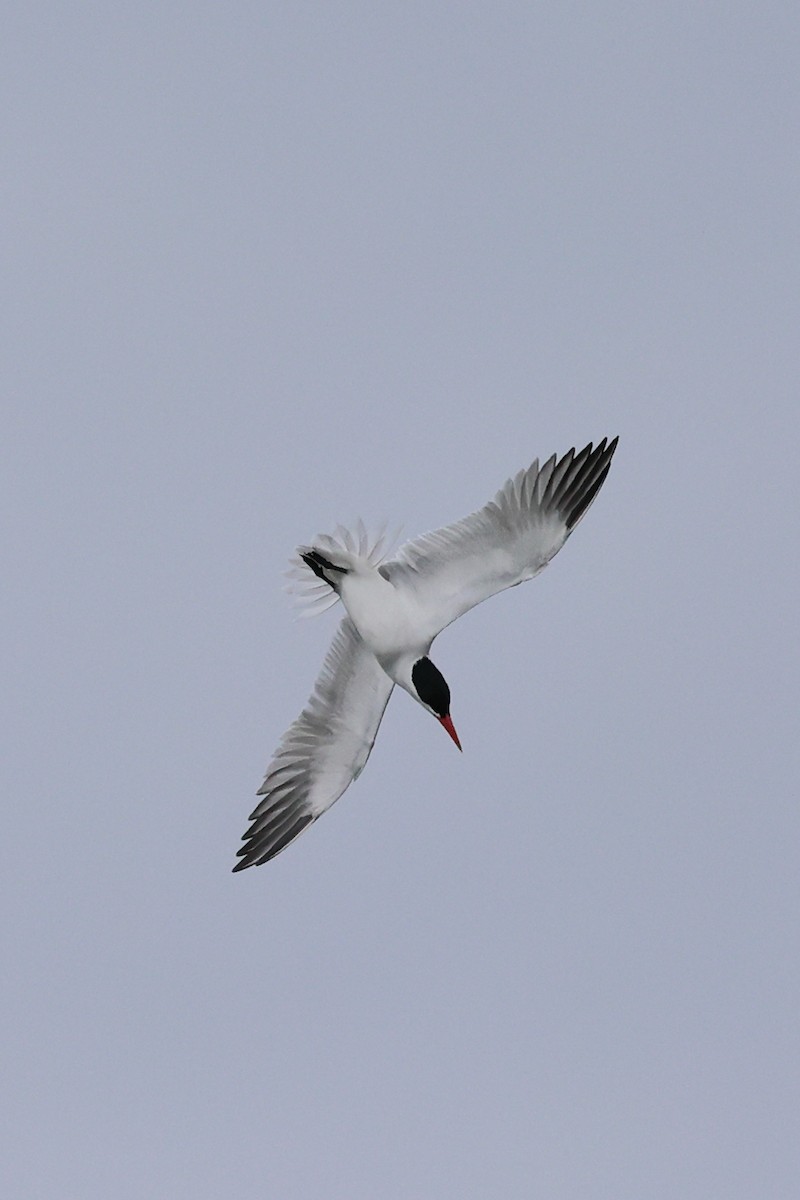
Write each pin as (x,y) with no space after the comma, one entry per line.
(395,609)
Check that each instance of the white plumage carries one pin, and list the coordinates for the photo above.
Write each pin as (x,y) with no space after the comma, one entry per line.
(394,611)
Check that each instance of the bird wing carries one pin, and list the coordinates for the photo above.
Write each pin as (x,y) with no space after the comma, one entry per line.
(323,751)
(509,540)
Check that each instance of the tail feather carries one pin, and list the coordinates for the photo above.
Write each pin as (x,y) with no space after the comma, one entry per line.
(311,592)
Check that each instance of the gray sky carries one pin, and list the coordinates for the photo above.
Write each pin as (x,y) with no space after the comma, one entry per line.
(270,267)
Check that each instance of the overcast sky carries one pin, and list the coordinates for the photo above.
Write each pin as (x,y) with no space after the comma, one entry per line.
(273,266)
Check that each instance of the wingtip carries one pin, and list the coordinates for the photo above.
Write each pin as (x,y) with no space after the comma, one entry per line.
(577,488)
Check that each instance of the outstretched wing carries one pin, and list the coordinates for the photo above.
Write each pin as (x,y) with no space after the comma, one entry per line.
(506,542)
(323,751)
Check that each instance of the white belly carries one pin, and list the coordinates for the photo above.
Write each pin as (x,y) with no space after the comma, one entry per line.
(385,618)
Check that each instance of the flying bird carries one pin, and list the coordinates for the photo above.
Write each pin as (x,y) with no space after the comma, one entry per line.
(395,609)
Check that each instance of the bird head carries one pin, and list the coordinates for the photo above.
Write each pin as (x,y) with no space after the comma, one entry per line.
(431,690)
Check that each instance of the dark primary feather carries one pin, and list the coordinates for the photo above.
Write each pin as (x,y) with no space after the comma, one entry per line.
(576,480)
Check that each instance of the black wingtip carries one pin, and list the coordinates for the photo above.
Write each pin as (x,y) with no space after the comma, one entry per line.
(583,481)
(264,844)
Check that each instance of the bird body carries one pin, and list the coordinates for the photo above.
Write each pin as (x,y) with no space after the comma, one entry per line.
(387,618)
(395,610)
